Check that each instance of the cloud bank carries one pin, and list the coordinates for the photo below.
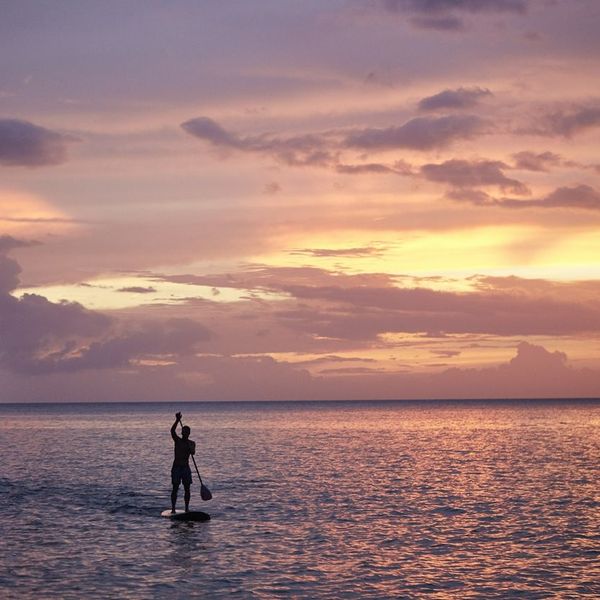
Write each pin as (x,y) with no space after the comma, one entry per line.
(40,336)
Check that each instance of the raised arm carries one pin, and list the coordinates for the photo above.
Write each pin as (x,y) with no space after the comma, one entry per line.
(174,426)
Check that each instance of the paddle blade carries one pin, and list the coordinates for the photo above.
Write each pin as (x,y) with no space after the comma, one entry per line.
(205,493)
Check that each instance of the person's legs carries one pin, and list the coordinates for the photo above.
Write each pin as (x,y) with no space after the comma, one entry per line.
(186,479)
(174,497)
(187,496)
(175,480)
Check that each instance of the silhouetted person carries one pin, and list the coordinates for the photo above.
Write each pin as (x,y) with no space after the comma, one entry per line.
(180,471)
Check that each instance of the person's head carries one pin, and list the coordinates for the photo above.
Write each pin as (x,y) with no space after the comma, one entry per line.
(185,432)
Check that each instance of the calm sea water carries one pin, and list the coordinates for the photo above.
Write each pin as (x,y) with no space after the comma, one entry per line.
(311,500)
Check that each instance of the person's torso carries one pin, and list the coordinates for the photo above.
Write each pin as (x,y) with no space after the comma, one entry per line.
(182,452)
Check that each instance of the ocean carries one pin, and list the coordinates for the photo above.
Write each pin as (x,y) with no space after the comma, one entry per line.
(472,499)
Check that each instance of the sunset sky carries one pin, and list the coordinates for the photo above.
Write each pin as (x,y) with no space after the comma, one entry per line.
(298,199)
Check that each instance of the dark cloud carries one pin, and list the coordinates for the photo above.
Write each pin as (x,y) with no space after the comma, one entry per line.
(359,308)
(584,290)
(263,278)
(567,121)
(35,330)
(172,338)
(460,98)
(530,161)
(471,174)
(447,15)
(9,274)
(421,133)
(8,242)
(467,6)
(210,131)
(578,197)
(24,144)
(323,149)
(137,289)
(365,313)
(301,150)
(9,268)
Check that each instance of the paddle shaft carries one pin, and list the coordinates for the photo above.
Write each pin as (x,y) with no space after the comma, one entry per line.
(196,466)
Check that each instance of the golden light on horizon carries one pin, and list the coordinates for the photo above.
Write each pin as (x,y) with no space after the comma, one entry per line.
(25,213)
(452,254)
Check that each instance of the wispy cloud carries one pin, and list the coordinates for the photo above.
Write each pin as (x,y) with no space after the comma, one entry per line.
(340,252)
(458,99)
(137,289)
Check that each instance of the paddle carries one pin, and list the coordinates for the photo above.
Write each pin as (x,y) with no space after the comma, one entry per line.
(205,493)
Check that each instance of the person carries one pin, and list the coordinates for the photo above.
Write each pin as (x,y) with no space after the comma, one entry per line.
(180,471)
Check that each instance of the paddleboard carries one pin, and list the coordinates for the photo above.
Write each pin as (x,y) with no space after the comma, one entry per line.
(181,515)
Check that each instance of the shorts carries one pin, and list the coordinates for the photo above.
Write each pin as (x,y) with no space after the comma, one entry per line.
(181,474)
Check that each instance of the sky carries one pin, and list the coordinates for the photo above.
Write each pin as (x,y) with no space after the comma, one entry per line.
(300,199)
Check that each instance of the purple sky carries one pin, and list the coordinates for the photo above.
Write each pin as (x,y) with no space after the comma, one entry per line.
(285,200)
